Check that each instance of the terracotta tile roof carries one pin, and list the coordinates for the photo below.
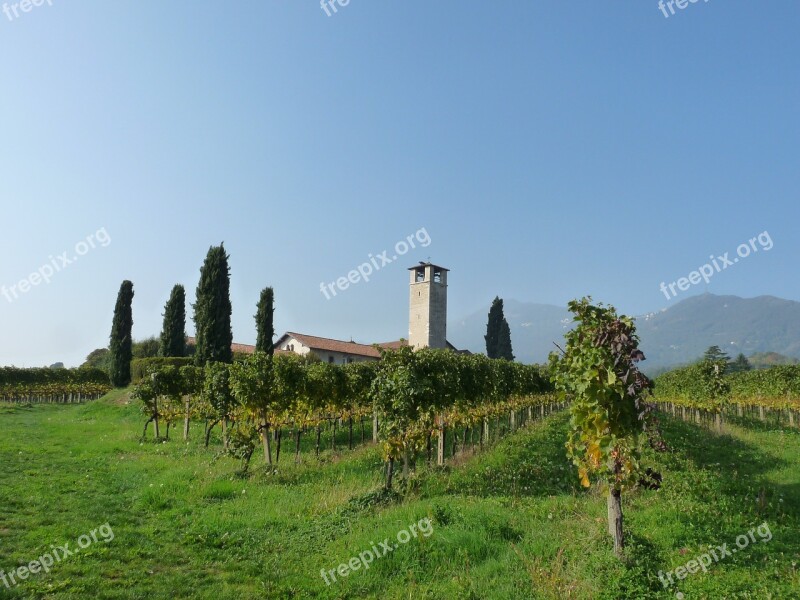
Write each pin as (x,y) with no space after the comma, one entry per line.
(401,343)
(319,343)
(393,345)
(244,348)
(329,345)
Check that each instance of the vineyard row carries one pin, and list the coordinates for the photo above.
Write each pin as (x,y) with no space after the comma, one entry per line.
(412,398)
(52,385)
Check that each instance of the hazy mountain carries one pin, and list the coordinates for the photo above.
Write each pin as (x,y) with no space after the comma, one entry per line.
(765,360)
(534,328)
(673,336)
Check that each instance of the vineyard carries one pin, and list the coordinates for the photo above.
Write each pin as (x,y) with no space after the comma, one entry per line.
(413,400)
(698,393)
(52,385)
(514,490)
(509,521)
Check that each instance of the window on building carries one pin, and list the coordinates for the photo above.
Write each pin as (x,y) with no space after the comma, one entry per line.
(330,359)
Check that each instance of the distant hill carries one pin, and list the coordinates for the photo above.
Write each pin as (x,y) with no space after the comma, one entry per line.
(765,360)
(670,337)
(534,328)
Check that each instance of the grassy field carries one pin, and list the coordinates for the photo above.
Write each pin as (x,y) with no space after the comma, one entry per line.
(509,522)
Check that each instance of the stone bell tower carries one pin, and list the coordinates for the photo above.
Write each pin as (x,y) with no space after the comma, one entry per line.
(427,319)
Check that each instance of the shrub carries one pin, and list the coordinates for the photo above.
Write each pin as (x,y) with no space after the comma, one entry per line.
(140,366)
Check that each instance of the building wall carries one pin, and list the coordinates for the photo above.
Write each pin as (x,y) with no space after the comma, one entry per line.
(339,358)
(292,345)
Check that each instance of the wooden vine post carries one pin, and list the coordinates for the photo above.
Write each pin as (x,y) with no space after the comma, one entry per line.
(440,440)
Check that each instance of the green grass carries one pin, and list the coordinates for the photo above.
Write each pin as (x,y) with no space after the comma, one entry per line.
(508,522)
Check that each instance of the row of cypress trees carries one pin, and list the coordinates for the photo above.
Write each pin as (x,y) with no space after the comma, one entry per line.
(212,320)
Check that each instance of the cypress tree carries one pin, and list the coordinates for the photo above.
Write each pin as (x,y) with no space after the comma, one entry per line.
(740,365)
(212,309)
(173,334)
(715,354)
(493,327)
(121,343)
(264,321)
(504,342)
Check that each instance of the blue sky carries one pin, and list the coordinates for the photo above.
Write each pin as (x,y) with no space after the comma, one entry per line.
(549,149)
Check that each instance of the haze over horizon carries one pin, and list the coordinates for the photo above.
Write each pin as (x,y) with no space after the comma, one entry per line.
(548,151)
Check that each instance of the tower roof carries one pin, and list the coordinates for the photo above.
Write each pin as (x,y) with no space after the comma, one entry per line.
(426,264)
